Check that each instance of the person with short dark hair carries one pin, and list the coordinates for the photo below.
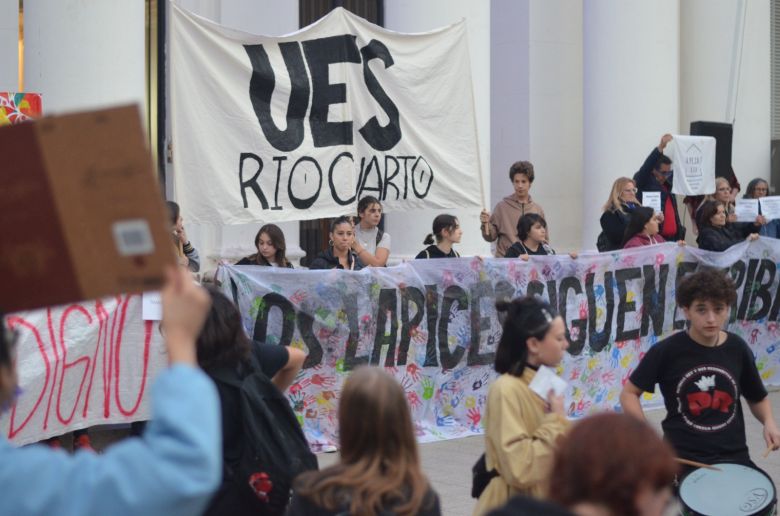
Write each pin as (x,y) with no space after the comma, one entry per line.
(716,233)
(446,231)
(339,254)
(532,234)
(372,244)
(702,373)
(521,428)
(642,229)
(173,469)
(271,248)
(656,175)
(502,224)
(379,472)
(756,189)
(187,255)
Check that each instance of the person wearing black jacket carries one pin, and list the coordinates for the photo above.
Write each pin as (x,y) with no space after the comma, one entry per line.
(715,234)
(617,212)
(339,254)
(656,175)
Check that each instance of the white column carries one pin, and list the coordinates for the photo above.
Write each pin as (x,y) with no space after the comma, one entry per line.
(631,93)
(725,76)
(9,41)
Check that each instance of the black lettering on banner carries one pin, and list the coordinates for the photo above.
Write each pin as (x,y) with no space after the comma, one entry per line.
(737,272)
(453,294)
(261,88)
(571,283)
(747,289)
(479,291)
(388,303)
(306,328)
(409,296)
(683,269)
(504,290)
(380,138)
(351,361)
(598,339)
(373,164)
(332,183)
(422,177)
(654,301)
(270,301)
(761,290)
(624,305)
(389,180)
(406,159)
(535,288)
(432,309)
(552,293)
(279,160)
(320,54)
(304,204)
(775,306)
(251,183)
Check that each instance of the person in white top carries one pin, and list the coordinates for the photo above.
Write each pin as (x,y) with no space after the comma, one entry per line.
(372,245)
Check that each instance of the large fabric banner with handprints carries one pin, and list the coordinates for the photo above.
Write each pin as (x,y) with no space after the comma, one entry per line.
(433,324)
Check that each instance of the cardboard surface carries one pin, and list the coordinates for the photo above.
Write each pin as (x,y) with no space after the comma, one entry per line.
(81,214)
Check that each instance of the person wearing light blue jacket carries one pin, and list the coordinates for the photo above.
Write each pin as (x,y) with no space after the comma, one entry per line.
(172,470)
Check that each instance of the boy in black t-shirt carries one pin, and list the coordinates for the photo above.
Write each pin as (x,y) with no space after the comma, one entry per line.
(702,372)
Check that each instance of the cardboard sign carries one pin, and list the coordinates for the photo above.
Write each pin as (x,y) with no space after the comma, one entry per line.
(81,213)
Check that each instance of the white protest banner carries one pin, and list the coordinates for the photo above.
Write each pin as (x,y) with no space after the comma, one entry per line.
(81,365)
(301,126)
(693,160)
(652,200)
(770,207)
(746,210)
(431,323)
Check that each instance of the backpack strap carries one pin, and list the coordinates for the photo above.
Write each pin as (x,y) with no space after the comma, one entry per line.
(379,235)
(427,253)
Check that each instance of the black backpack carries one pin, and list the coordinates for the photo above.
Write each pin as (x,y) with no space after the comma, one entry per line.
(274,449)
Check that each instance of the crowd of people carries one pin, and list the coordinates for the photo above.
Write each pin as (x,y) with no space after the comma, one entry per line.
(220,408)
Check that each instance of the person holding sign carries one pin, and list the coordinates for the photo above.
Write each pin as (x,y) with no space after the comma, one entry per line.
(522,428)
(446,230)
(271,249)
(716,234)
(173,469)
(702,373)
(502,223)
(339,254)
(371,244)
(617,212)
(759,189)
(656,175)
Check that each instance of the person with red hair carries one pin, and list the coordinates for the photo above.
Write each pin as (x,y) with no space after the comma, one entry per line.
(608,465)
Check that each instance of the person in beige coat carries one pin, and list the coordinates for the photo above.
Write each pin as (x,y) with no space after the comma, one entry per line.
(502,224)
(521,428)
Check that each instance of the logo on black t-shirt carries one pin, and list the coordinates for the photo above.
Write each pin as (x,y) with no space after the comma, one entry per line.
(707,398)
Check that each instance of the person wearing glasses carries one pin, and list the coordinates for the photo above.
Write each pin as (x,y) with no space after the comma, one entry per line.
(756,189)
(621,203)
(656,175)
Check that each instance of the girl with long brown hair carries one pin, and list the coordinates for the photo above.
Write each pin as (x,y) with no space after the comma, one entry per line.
(271,248)
(379,471)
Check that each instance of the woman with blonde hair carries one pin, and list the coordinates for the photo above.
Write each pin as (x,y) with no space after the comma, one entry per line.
(379,472)
(621,203)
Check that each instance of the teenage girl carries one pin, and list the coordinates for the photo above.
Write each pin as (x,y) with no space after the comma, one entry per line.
(339,254)
(447,231)
(372,245)
(271,248)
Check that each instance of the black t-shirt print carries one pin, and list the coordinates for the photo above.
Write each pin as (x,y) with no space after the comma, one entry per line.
(701,387)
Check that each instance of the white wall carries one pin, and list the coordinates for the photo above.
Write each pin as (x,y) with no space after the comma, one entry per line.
(713,85)
(631,93)
(84,55)
(9,37)
(409,229)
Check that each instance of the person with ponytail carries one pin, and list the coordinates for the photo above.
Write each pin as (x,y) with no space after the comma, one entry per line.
(521,428)
(339,254)
(642,229)
(446,230)
(371,243)
(379,472)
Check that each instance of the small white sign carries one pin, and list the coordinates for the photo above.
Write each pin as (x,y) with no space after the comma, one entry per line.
(545,381)
(133,237)
(770,207)
(652,200)
(746,210)
(151,306)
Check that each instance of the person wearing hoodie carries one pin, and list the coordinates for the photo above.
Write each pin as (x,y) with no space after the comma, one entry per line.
(339,254)
(501,225)
(642,229)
